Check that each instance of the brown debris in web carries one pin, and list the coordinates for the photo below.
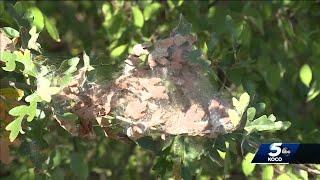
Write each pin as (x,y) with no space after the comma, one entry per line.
(6,44)
(136,109)
(166,95)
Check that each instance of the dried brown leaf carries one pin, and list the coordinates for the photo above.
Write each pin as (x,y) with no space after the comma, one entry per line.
(179,40)
(163,61)
(6,43)
(164,43)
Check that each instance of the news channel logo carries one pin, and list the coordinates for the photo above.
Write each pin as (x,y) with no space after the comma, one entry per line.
(275,153)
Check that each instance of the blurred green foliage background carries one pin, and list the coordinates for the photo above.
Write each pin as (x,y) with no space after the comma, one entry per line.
(271,49)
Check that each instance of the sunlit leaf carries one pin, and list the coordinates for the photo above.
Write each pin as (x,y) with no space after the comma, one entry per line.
(151,10)
(25,59)
(107,11)
(12,33)
(52,30)
(242,103)
(24,110)
(267,172)
(69,66)
(215,157)
(86,60)
(44,90)
(283,177)
(263,123)
(303,174)
(33,98)
(205,48)
(234,117)
(9,59)
(20,112)
(15,127)
(222,154)
(40,114)
(118,51)
(251,112)
(313,92)
(32,43)
(306,74)
(272,118)
(36,18)
(137,16)
(64,80)
(247,166)
(172,3)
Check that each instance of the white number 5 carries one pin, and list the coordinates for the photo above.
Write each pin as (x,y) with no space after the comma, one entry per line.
(275,147)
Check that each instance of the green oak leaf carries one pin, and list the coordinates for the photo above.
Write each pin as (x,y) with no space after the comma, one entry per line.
(240,106)
(234,117)
(69,66)
(20,112)
(32,43)
(33,98)
(265,123)
(12,33)
(25,59)
(24,110)
(64,80)
(242,103)
(9,59)
(44,90)
(15,127)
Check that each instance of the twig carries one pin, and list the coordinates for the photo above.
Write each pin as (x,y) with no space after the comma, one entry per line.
(125,119)
(308,169)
